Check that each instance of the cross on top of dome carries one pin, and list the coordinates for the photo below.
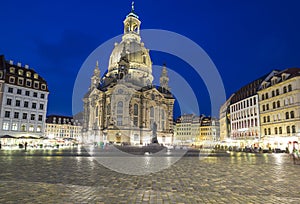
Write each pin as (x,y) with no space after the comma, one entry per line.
(132,12)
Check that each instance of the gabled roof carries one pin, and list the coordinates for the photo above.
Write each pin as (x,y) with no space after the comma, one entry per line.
(288,73)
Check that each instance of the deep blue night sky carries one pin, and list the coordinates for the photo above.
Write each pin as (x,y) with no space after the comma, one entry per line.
(245,39)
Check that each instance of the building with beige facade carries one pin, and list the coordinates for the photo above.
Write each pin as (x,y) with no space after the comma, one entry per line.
(209,134)
(196,130)
(279,98)
(124,106)
(224,120)
(186,129)
(63,127)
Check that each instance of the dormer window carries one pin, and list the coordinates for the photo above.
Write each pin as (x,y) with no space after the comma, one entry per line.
(284,76)
(28,74)
(12,70)
(20,72)
(36,76)
(264,85)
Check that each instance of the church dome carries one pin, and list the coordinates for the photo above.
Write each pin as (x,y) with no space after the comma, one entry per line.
(140,64)
(137,55)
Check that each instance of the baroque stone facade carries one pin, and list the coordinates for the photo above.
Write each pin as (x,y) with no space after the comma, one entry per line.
(124,106)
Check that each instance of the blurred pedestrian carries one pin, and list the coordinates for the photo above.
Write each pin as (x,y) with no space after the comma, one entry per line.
(25,146)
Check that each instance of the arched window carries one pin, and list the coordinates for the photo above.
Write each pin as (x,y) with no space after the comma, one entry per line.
(163,119)
(274,105)
(135,109)
(284,89)
(287,115)
(288,129)
(151,116)
(151,111)
(97,109)
(292,113)
(120,113)
(278,104)
(293,129)
(276,130)
(120,107)
(23,128)
(290,87)
(135,113)
(273,93)
(280,130)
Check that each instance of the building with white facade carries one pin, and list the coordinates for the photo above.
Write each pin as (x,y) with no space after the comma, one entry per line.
(23,100)
(196,130)
(244,115)
(63,127)
(186,129)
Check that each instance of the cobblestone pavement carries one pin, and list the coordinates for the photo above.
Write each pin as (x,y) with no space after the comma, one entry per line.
(36,177)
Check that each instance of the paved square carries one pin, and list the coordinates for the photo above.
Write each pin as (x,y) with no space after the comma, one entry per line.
(36,177)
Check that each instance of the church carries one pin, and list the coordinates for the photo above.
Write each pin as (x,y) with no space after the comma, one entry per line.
(124,106)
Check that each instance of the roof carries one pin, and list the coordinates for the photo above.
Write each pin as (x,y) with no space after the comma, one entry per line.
(60,119)
(248,90)
(289,74)
(19,75)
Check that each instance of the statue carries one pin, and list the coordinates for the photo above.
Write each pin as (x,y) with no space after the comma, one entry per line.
(154,133)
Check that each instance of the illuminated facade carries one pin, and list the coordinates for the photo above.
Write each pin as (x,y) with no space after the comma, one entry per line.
(209,132)
(196,130)
(224,120)
(63,127)
(279,97)
(124,106)
(186,129)
(23,100)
